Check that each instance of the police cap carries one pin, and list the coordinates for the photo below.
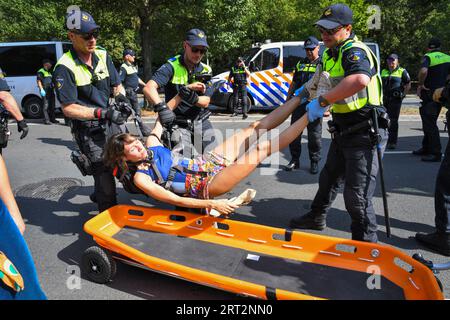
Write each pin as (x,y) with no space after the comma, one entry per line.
(434,43)
(196,37)
(311,43)
(81,21)
(129,52)
(335,15)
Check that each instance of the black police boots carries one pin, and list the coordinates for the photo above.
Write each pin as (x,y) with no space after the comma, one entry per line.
(437,241)
(420,152)
(311,220)
(314,169)
(293,164)
(432,157)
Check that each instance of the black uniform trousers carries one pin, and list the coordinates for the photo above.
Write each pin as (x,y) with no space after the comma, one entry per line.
(442,191)
(314,136)
(393,106)
(429,112)
(91,141)
(240,92)
(49,105)
(352,161)
(132,96)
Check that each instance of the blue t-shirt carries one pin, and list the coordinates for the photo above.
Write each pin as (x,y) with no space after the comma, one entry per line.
(164,162)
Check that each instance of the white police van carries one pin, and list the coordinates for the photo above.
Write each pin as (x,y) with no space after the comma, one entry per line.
(272,67)
(20,62)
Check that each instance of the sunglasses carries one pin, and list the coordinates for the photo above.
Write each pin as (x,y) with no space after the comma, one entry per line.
(196,50)
(329,31)
(87,36)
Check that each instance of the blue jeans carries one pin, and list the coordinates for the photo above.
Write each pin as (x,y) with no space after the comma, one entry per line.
(14,246)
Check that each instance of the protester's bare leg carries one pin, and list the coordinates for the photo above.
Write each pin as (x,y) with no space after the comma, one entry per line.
(239,142)
(230,176)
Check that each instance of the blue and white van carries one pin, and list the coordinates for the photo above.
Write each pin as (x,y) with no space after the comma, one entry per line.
(272,67)
(20,62)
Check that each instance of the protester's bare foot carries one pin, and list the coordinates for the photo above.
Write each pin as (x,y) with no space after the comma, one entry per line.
(243,199)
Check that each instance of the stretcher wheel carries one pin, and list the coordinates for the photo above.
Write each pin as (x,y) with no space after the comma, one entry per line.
(98,265)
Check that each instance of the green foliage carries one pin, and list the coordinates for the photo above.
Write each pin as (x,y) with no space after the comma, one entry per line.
(155,29)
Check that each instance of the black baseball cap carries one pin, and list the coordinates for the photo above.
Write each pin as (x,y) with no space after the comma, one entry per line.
(311,43)
(335,15)
(129,51)
(86,22)
(44,61)
(196,37)
(392,56)
(434,43)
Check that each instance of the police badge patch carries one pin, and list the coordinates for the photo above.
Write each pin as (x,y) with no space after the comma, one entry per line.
(59,82)
(355,56)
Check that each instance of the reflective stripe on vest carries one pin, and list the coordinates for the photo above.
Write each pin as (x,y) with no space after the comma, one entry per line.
(237,70)
(437,58)
(306,67)
(396,74)
(45,73)
(181,74)
(129,68)
(83,76)
(371,94)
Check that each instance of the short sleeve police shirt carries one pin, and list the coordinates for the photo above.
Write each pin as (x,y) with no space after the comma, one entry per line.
(405,77)
(355,61)
(163,75)
(4,85)
(67,91)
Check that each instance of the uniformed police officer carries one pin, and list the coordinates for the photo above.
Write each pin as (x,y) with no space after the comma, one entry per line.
(44,82)
(396,82)
(8,106)
(131,82)
(84,78)
(432,75)
(440,239)
(303,72)
(178,77)
(352,158)
(238,76)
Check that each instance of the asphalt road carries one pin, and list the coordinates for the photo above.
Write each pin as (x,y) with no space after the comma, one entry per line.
(54,221)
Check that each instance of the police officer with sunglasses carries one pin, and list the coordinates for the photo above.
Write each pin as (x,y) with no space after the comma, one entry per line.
(352,158)
(84,79)
(184,94)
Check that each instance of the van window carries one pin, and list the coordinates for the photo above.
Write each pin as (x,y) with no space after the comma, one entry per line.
(267,59)
(19,61)
(291,56)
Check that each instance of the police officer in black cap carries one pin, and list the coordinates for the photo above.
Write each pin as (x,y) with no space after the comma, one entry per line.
(355,100)
(178,77)
(396,82)
(432,75)
(8,106)
(131,82)
(84,79)
(303,72)
(238,76)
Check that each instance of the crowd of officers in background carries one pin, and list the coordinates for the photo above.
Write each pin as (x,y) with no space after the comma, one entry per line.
(186,101)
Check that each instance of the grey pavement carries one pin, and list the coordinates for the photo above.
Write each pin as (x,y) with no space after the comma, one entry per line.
(55,219)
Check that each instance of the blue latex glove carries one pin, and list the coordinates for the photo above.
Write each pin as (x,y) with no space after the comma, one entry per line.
(299,91)
(42,92)
(315,111)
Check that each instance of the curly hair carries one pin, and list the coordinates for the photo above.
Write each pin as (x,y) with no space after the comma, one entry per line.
(114,150)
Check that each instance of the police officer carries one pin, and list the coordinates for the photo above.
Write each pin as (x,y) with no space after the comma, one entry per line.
(440,239)
(84,78)
(396,82)
(44,82)
(432,75)
(238,76)
(8,106)
(352,158)
(131,82)
(303,72)
(178,77)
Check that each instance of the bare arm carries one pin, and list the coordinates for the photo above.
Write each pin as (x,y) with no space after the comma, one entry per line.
(77,111)
(347,87)
(8,101)
(145,183)
(151,92)
(8,198)
(39,83)
(119,89)
(154,139)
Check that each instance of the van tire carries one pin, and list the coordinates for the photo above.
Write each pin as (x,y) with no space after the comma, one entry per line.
(34,108)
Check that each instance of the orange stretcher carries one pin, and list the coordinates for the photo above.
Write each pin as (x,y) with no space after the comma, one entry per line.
(252,260)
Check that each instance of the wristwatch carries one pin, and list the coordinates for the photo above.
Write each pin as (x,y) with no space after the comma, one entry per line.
(323,102)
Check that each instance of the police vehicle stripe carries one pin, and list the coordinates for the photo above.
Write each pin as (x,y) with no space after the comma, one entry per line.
(273,92)
(265,95)
(282,90)
(256,95)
